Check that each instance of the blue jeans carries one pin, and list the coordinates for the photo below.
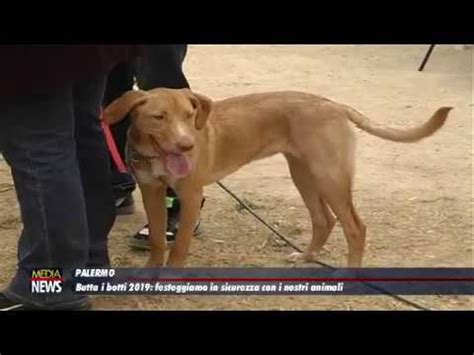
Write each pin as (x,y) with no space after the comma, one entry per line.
(60,166)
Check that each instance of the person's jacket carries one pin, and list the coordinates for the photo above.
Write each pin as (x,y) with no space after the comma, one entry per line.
(36,69)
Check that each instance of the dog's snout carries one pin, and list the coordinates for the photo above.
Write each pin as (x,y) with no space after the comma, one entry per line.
(185,145)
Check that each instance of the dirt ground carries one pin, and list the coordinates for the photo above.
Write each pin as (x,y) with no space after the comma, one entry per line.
(415,198)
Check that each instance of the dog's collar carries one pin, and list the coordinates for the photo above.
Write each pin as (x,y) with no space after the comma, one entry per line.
(136,157)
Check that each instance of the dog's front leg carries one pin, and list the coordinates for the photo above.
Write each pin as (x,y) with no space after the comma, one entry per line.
(154,201)
(190,208)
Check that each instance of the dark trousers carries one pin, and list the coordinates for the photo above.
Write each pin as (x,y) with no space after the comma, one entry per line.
(160,66)
(60,165)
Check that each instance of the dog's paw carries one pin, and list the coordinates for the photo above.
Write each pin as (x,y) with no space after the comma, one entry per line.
(297,257)
(154,264)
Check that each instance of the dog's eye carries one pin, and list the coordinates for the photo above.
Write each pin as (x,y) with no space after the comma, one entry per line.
(159,117)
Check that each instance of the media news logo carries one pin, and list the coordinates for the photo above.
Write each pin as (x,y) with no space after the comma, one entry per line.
(46,281)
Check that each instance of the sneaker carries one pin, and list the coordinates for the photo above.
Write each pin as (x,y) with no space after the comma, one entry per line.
(140,240)
(125,205)
(8,304)
(123,186)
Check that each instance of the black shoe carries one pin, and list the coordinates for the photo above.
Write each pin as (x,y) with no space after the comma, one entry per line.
(125,205)
(140,240)
(8,304)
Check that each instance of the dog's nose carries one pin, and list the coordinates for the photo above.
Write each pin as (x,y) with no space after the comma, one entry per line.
(185,145)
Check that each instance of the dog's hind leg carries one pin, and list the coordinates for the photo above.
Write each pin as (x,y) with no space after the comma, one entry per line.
(322,218)
(331,161)
(337,193)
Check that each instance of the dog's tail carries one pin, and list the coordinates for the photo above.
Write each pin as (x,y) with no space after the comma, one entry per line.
(407,135)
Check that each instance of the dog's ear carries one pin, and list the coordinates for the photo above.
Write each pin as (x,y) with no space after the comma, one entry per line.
(203,105)
(119,108)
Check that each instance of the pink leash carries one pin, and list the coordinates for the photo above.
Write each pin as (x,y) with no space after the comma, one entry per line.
(109,138)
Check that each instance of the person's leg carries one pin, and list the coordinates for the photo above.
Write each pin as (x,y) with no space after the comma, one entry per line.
(94,165)
(161,66)
(38,143)
(120,80)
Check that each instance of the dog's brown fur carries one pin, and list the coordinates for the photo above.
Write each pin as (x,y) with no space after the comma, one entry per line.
(312,132)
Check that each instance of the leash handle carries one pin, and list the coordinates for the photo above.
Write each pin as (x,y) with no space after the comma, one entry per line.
(109,138)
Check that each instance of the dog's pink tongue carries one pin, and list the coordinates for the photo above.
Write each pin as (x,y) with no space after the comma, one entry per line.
(178,165)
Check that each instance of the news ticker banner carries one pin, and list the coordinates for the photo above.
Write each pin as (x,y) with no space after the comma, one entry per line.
(274,281)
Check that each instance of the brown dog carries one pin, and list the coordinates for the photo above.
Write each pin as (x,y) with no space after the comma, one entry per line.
(184,140)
